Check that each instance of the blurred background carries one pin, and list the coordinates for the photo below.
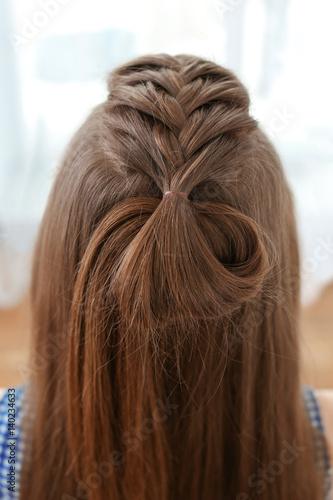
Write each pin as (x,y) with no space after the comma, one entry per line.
(55,55)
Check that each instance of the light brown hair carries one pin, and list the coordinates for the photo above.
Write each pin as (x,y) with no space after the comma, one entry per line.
(174,372)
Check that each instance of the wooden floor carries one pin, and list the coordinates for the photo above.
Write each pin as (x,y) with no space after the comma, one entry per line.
(317,343)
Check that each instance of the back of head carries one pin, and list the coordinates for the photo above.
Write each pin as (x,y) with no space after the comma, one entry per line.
(174,319)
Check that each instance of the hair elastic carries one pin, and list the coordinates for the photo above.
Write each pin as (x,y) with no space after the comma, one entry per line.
(179,193)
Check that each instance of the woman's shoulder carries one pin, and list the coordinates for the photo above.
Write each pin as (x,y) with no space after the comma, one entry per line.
(325,399)
(10,442)
(11,392)
(10,408)
(319,406)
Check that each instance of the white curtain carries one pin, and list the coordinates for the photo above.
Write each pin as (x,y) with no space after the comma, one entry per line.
(55,54)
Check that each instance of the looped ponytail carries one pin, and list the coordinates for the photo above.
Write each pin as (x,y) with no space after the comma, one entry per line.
(190,261)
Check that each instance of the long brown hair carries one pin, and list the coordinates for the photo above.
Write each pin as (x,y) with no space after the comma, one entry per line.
(168,327)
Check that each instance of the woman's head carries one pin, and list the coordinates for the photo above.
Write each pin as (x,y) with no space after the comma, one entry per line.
(189,305)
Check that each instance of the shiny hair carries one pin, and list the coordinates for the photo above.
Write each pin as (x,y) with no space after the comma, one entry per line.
(168,326)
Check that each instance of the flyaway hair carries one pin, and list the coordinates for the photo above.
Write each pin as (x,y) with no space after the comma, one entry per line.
(173,321)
